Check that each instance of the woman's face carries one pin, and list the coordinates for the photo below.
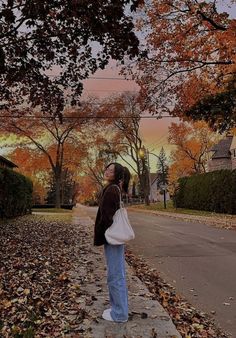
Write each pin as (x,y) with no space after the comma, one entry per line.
(109,174)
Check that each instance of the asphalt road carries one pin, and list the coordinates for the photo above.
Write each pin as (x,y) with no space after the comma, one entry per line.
(197,259)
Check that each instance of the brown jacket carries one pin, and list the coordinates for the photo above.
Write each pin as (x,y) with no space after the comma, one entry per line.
(109,203)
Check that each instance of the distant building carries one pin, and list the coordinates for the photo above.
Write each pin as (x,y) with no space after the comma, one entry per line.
(4,163)
(223,154)
(157,192)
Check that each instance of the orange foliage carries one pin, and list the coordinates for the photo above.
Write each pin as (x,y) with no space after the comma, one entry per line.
(193,142)
(58,143)
(29,161)
(33,164)
(191,53)
(79,144)
(86,190)
(180,167)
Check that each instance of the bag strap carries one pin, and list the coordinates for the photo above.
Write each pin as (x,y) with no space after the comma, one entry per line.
(121,203)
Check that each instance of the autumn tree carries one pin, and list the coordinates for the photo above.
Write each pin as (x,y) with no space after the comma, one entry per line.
(70,38)
(190,54)
(193,142)
(51,138)
(103,143)
(87,190)
(162,166)
(125,111)
(180,166)
(34,165)
(219,109)
(67,189)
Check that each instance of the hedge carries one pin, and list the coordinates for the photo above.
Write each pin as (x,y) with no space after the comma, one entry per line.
(52,206)
(214,191)
(15,194)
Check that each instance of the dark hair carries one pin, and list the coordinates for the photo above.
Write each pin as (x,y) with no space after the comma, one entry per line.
(126,179)
(121,174)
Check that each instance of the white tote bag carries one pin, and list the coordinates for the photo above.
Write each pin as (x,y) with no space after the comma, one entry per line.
(121,230)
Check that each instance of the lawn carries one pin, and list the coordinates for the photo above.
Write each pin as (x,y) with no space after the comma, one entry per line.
(159,206)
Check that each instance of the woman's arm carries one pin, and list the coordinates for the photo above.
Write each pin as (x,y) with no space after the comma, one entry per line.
(110,204)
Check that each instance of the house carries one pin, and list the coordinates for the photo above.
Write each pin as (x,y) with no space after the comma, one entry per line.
(223,154)
(157,192)
(4,163)
(233,152)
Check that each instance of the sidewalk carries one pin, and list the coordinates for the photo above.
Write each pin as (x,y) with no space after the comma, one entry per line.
(147,318)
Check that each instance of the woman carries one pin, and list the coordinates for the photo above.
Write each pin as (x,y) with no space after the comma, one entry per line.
(117,178)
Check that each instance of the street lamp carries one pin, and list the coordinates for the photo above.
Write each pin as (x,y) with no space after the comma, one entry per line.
(142,152)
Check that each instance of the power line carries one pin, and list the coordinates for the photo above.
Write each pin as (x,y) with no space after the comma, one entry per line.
(156,142)
(110,90)
(163,144)
(160,141)
(88,117)
(97,78)
(108,78)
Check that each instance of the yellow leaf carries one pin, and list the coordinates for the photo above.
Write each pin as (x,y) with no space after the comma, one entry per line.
(6,303)
(63,276)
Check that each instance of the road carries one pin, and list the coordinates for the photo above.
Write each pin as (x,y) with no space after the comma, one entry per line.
(197,259)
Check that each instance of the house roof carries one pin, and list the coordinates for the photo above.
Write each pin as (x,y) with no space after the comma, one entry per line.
(7,162)
(222,148)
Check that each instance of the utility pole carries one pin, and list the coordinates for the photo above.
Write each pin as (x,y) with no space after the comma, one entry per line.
(143,155)
(149,175)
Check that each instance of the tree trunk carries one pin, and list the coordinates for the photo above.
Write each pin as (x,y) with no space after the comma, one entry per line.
(147,200)
(143,174)
(164,198)
(58,188)
(58,193)
(146,188)
(147,192)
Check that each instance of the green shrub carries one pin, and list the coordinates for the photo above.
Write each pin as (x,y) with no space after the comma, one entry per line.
(214,191)
(15,194)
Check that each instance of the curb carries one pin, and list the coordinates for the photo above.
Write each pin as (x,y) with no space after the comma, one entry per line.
(226,222)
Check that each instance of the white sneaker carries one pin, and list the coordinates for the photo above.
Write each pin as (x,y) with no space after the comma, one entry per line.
(107,316)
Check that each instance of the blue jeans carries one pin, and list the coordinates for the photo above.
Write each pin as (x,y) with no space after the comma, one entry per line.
(116,280)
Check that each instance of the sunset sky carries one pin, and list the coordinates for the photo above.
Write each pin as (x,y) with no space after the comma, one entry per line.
(108,82)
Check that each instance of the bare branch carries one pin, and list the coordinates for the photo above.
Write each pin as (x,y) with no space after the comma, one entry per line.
(211,21)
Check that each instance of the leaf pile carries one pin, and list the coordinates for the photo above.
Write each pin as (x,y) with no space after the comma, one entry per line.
(37,297)
(190,323)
